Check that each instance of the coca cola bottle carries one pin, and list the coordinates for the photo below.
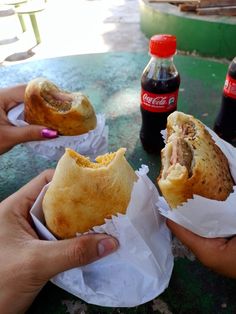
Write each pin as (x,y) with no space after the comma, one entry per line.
(225,124)
(159,91)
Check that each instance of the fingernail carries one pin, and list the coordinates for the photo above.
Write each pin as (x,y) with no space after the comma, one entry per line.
(106,246)
(47,133)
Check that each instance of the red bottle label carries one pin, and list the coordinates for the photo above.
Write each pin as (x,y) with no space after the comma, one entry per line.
(230,87)
(159,102)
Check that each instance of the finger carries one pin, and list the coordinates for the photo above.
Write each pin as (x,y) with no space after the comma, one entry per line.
(12,96)
(209,251)
(17,135)
(33,188)
(227,263)
(188,238)
(74,252)
(24,198)
(12,135)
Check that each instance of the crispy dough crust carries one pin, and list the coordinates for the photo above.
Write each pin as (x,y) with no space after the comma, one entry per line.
(82,194)
(210,175)
(78,119)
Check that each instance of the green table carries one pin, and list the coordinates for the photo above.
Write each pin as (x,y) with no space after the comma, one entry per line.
(112,82)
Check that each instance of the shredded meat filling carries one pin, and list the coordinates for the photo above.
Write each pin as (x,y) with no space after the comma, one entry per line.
(55,98)
(182,154)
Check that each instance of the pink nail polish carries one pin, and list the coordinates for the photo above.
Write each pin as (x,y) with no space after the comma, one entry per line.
(47,133)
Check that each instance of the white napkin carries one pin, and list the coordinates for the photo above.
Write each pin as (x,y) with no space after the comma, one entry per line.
(90,144)
(139,270)
(205,217)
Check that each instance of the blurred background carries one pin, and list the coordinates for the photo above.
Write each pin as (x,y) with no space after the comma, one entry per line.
(68,27)
(31,29)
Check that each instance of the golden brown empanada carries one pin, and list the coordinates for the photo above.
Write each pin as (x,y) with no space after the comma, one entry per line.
(68,113)
(192,163)
(83,193)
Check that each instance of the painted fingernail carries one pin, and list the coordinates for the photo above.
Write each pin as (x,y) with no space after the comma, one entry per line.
(47,133)
(106,246)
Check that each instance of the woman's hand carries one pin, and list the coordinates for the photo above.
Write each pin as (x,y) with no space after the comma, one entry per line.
(219,254)
(11,135)
(27,263)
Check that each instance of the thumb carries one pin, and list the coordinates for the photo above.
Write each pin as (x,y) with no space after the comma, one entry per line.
(188,238)
(58,256)
(31,133)
(197,244)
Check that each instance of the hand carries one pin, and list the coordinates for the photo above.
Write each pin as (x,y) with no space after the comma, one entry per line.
(219,254)
(11,135)
(27,263)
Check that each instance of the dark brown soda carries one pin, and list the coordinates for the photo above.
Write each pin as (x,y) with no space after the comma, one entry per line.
(225,124)
(154,122)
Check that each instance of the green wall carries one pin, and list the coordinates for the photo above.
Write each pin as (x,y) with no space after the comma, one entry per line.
(209,36)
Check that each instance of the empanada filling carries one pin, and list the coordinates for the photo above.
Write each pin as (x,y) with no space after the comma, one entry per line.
(182,154)
(188,130)
(55,98)
(101,161)
(179,150)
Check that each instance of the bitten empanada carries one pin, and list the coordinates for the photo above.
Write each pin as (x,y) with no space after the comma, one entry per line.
(83,193)
(67,112)
(192,163)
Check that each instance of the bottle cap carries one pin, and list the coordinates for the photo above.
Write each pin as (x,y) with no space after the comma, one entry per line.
(163,45)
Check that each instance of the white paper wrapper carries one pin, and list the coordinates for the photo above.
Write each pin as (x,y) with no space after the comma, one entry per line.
(139,270)
(90,144)
(205,217)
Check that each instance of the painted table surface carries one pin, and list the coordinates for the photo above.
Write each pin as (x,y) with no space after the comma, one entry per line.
(112,82)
